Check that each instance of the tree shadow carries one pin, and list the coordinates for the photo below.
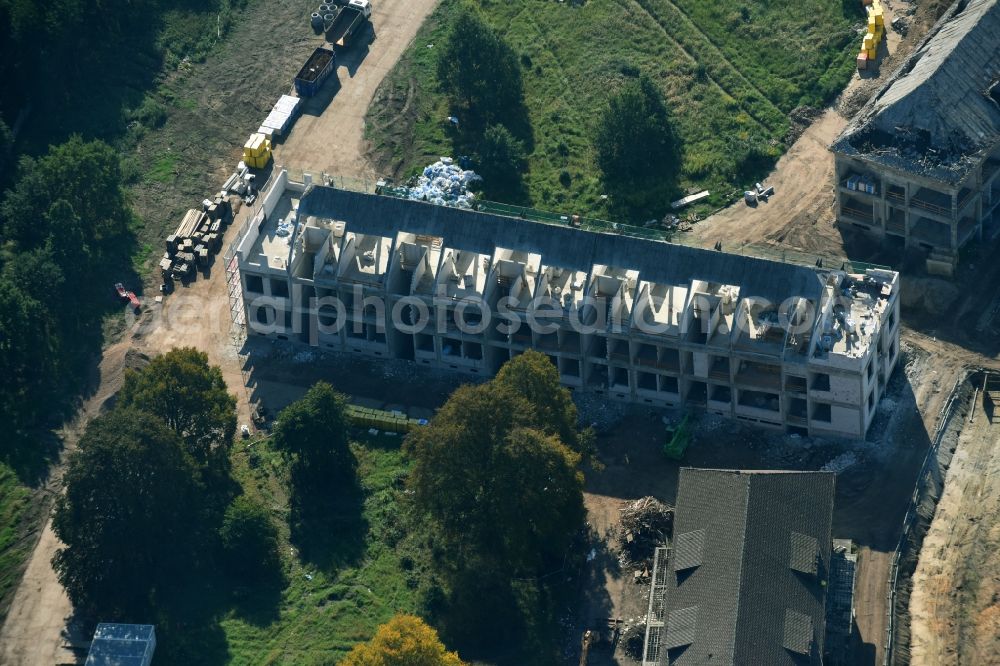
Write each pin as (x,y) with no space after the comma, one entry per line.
(188,628)
(329,530)
(31,456)
(259,602)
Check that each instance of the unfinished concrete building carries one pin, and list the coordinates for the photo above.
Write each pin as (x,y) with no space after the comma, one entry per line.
(793,347)
(919,164)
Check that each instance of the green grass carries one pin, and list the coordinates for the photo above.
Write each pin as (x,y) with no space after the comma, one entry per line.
(731,71)
(317,621)
(15,501)
(163,169)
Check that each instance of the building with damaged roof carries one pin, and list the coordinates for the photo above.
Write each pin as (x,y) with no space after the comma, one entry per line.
(804,349)
(920,162)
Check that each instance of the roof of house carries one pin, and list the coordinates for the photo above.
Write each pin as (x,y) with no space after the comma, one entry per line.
(939,114)
(565,247)
(751,551)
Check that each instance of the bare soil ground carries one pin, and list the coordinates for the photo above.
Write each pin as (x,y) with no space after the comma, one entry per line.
(330,138)
(955,603)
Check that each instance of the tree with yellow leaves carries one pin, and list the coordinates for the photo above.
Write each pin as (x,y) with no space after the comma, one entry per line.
(405,640)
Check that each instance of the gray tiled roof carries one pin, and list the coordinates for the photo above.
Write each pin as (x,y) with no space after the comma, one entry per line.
(803,553)
(682,627)
(749,589)
(566,247)
(688,549)
(798,632)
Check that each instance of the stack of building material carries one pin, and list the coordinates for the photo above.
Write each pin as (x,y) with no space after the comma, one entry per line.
(257,151)
(874,33)
(198,237)
(282,116)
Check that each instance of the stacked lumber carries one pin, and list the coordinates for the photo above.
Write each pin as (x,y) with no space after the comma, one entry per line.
(197,239)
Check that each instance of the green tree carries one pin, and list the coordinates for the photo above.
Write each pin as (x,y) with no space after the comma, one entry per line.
(533,376)
(249,541)
(501,491)
(83,177)
(478,70)
(501,159)
(191,397)
(130,518)
(505,500)
(313,431)
(638,150)
(403,641)
(29,360)
(6,153)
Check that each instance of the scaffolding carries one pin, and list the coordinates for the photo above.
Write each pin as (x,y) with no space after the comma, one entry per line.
(657,604)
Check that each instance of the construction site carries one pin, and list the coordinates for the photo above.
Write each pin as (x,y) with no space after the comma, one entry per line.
(918,164)
(841,404)
(805,350)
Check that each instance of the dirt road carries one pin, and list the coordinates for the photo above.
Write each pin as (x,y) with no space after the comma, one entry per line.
(800,215)
(331,139)
(32,632)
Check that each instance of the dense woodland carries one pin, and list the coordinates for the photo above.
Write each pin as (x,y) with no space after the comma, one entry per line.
(65,227)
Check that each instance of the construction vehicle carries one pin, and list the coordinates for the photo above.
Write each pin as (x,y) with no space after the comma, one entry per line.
(351,18)
(678,440)
(129,296)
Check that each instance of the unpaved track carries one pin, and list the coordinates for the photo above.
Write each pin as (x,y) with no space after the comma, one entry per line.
(32,632)
(198,315)
(800,215)
(333,142)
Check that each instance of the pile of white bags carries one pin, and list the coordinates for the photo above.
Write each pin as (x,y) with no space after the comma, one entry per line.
(446,184)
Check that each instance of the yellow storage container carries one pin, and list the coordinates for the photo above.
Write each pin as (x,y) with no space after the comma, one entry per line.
(868,42)
(257,151)
(872,54)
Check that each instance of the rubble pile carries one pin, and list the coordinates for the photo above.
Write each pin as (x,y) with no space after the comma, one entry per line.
(446,184)
(644,525)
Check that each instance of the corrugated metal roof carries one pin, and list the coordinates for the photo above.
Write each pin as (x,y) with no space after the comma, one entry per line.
(935,116)
(744,585)
(566,247)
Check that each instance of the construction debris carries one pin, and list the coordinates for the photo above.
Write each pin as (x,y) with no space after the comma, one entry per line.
(644,525)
